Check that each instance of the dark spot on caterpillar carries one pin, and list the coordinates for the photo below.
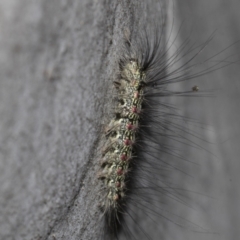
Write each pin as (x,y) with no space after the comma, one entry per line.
(195,88)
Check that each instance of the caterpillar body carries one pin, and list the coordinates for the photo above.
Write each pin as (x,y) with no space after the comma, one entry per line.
(121,133)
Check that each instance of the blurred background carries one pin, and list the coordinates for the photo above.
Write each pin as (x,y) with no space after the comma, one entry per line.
(218,171)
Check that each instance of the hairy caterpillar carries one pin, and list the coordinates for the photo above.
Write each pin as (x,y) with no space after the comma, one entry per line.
(158,128)
(47,188)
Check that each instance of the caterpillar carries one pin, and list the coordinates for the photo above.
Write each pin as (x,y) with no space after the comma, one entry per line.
(143,137)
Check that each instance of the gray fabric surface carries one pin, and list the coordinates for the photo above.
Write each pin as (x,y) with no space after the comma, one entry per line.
(57,63)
